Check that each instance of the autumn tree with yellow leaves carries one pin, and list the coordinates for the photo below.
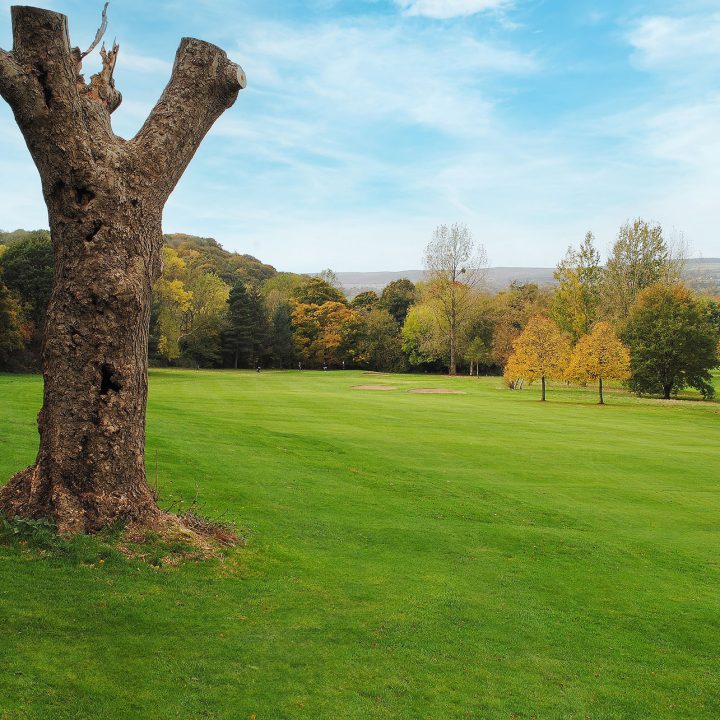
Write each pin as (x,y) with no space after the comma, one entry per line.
(599,356)
(171,300)
(541,352)
(322,332)
(577,298)
(188,305)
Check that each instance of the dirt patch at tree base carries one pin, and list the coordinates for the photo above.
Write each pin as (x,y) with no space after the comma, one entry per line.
(437,391)
(374,387)
(167,540)
(174,540)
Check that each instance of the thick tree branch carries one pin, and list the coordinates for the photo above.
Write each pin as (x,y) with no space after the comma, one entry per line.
(42,45)
(10,71)
(15,83)
(204,83)
(63,119)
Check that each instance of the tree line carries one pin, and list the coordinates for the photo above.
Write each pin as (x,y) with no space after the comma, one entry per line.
(628,319)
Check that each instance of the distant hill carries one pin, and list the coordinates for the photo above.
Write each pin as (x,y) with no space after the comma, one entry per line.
(700,273)
(704,274)
(495,278)
(209,255)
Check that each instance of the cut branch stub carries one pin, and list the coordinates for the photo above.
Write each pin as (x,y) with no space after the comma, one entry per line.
(20,88)
(41,45)
(204,83)
(241,77)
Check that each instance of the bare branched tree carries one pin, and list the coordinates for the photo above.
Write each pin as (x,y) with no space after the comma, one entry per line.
(640,257)
(454,265)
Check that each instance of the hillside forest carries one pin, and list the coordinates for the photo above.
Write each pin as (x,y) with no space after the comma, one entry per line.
(632,318)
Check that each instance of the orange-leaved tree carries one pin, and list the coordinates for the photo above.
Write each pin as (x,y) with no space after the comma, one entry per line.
(599,355)
(541,352)
(321,331)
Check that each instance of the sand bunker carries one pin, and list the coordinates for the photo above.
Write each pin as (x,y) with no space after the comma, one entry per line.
(442,391)
(374,387)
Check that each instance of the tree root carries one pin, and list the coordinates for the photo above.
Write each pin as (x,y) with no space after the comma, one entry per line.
(27,495)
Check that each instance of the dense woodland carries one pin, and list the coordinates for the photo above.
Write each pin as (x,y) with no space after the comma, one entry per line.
(629,319)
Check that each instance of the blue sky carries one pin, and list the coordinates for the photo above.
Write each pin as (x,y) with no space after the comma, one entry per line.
(366,123)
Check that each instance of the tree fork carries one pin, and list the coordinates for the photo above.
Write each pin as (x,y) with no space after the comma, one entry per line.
(105,197)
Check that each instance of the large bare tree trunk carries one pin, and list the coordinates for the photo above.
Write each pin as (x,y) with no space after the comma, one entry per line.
(105,197)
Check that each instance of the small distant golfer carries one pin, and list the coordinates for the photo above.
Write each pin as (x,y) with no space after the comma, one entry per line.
(299,366)
(325,366)
(259,368)
(343,364)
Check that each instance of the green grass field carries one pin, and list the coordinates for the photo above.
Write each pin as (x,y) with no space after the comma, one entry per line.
(409,556)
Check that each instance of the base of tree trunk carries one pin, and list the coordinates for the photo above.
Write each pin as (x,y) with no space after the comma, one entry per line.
(17,500)
(28,495)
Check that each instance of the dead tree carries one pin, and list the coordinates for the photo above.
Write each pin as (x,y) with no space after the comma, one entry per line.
(105,197)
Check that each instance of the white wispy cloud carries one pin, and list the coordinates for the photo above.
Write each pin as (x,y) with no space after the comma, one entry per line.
(687,133)
(676,132)
(684,138)
(137,62)
(662,41)
(446,9)
(346,117)
(369,71)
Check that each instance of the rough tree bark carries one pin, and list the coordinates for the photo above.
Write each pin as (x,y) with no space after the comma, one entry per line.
(105,197)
